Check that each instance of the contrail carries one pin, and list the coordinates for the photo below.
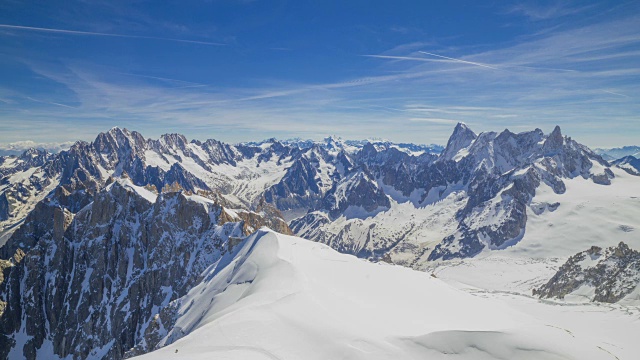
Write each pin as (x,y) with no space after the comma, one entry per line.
(50,103)
(89,33)
(614,93)
(162,78)
(400,57)
(541,68)
(458,60)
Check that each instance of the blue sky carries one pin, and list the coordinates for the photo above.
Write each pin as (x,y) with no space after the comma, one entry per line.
(249,70)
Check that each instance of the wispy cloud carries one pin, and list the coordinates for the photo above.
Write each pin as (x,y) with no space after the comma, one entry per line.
(539,12)
(435,120)
(574,77)
(180,83)
(90,33)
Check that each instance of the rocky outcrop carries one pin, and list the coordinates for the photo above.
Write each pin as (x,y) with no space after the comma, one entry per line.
(604,178)
(596,274)
(270,217)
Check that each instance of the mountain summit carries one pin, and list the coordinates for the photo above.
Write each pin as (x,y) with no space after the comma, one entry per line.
(461,138)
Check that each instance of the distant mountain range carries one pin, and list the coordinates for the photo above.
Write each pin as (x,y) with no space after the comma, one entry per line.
(102,239)
(618,153)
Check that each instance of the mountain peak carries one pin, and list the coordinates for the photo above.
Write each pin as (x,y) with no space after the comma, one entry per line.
(118,140)
(174,141)
(118,130)
(555,141)
(461,138)
(461,126)
(115,133)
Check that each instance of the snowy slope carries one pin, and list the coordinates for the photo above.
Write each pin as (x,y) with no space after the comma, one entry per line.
(283,297)
(588,214)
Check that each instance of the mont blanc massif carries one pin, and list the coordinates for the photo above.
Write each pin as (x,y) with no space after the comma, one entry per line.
(499,245)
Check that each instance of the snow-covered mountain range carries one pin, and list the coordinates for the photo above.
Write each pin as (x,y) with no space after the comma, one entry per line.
(116,247)
(620,152)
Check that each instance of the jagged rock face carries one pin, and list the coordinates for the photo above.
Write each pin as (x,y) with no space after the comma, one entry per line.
(5,207)
(270,217)
(90,287)
(359,191)
(462,137)
(47,220)
(298,176)
(311,175)
(395,168)
(298,188)
(119,144)
(220,153)
(178,174)
(609,274)
(509,196)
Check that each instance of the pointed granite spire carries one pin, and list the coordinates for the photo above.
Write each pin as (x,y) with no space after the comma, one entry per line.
(554,141)
(461,138)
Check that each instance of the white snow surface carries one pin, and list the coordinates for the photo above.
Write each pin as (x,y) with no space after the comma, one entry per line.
(283,297)
(588,214)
